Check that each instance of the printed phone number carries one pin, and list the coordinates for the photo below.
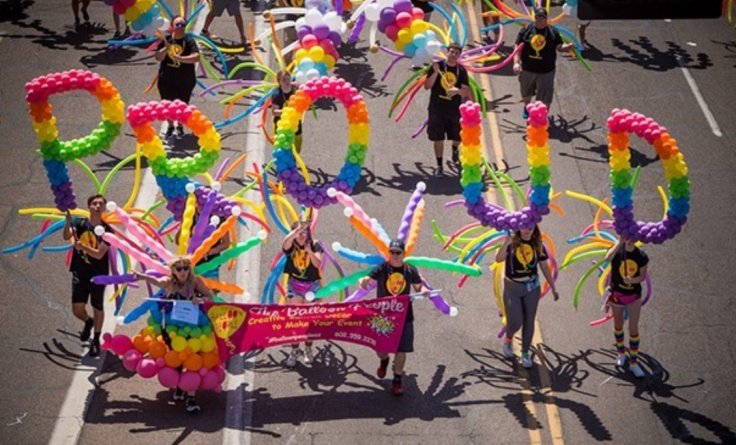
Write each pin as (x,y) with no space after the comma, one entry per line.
(356,337)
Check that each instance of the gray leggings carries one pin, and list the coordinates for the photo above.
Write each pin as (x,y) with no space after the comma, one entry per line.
(521,308)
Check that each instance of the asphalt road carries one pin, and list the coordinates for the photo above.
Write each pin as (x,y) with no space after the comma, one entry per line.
(459,388)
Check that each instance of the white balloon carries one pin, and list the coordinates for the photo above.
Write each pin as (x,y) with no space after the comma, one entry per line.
(313,18)
(372,13)
(99,230)
(566,9)
(333,21)
(164,24)
(300,22)
(382,4)
(300,77)
(312,74)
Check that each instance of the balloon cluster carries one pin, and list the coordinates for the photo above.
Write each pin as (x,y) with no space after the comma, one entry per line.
(55,152)
(539,171)
(319,36)
(358,133)
(172,175)
(189,360)
(620,124)
(404,24)
(143,15)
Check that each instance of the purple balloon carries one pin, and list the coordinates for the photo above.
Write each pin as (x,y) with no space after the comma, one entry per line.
(388,15)
(403,6)
(303,31)
(321,31)
(335,37)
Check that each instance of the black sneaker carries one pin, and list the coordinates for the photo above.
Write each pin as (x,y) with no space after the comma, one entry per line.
(94,348)
(455,155)
(85,15)
(178,395)
(87,330)
(439,173)
(179,132)
(191,406)
(169,133)
(381,371)
(396,388)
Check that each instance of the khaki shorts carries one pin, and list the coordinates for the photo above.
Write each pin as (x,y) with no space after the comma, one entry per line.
(541,85)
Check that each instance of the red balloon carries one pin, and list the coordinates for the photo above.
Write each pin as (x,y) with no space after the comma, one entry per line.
(309,41)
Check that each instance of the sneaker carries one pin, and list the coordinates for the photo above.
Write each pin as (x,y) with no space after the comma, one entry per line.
(439,173)
(94,348)
(179,132)
(455,155)
(85,14)
(291,361)
(169,133)
(191,406)
(621,360)
(381,371)
(396,388)
(178,395)
(308,356)
(524,114)
(526,361)
(508,349)
(636,370)
(87,330)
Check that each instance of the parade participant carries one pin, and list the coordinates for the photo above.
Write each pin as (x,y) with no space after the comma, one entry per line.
(181,284)
(393,278)
(303,261)
(535,63)
(523,251)
(284,92)
(218,7)
(75,10)
(449,83)
(628,271)
(89,259)
(178,53)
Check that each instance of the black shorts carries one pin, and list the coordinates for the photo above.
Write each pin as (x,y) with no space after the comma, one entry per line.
(406,344)
(172,90)
(443,126)
(83,291)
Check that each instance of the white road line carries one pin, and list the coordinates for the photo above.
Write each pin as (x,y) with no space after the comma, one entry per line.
(699,97)
(68,426)
(239,383)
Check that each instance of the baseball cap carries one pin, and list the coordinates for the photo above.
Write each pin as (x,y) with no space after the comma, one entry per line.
(396,245)
(540,12)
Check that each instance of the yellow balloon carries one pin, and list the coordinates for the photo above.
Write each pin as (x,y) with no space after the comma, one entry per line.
(195,344)
(208,344)
(418,26)
(300,54)
(404,36)
(178,344)
(316,53)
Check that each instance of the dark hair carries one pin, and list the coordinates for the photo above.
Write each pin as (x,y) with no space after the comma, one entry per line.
(455,45)
(93,197)
(281,74)
(535,241)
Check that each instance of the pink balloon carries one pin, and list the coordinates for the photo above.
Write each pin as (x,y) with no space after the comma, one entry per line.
(120,344)
(403,19)
(168,377)
(209,381)
(392,32)
(417,14)
(309,41)
(189,381)
(220,371)
(147,368)
(131,359)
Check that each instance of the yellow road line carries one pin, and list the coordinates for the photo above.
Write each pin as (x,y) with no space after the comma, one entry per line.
(553,414)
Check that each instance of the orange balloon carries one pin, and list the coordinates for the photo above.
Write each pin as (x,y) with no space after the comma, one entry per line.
(193,362)
(139,343)
(172,359)
(156,349)
(210,359)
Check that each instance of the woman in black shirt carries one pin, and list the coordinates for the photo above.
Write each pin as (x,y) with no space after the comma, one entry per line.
(178,53)
(523,252)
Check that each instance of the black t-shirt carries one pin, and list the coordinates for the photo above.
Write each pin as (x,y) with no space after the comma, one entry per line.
(171,70)
(627,264)
(423,5)
(540,48)
(524,260)
(392,281)
(82,264)
(299,265)
(439,99)
(280,99)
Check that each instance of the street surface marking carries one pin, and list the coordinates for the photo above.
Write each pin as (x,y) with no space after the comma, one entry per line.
(699,97)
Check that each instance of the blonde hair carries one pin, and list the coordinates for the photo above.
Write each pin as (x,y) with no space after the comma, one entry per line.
(188,283)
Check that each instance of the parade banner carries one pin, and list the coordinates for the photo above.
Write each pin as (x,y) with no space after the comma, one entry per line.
(376,323)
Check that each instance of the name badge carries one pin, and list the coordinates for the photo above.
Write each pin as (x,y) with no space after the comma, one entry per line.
(185,312)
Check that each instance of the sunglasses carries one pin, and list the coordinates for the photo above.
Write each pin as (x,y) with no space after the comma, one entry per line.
(180,25)
(396,252)
(182,268)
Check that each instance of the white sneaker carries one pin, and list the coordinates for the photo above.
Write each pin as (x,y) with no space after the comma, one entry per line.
(621,360)
(508,349)
(637,371)
(526,361)
(291,361)
(308,356)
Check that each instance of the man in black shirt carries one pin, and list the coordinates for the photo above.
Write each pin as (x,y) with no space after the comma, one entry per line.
(393,278)
(88,260)
(535,63)
(449,83)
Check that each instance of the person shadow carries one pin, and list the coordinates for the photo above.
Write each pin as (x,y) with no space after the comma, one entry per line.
(599,154)
(653,388)
(526,386)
